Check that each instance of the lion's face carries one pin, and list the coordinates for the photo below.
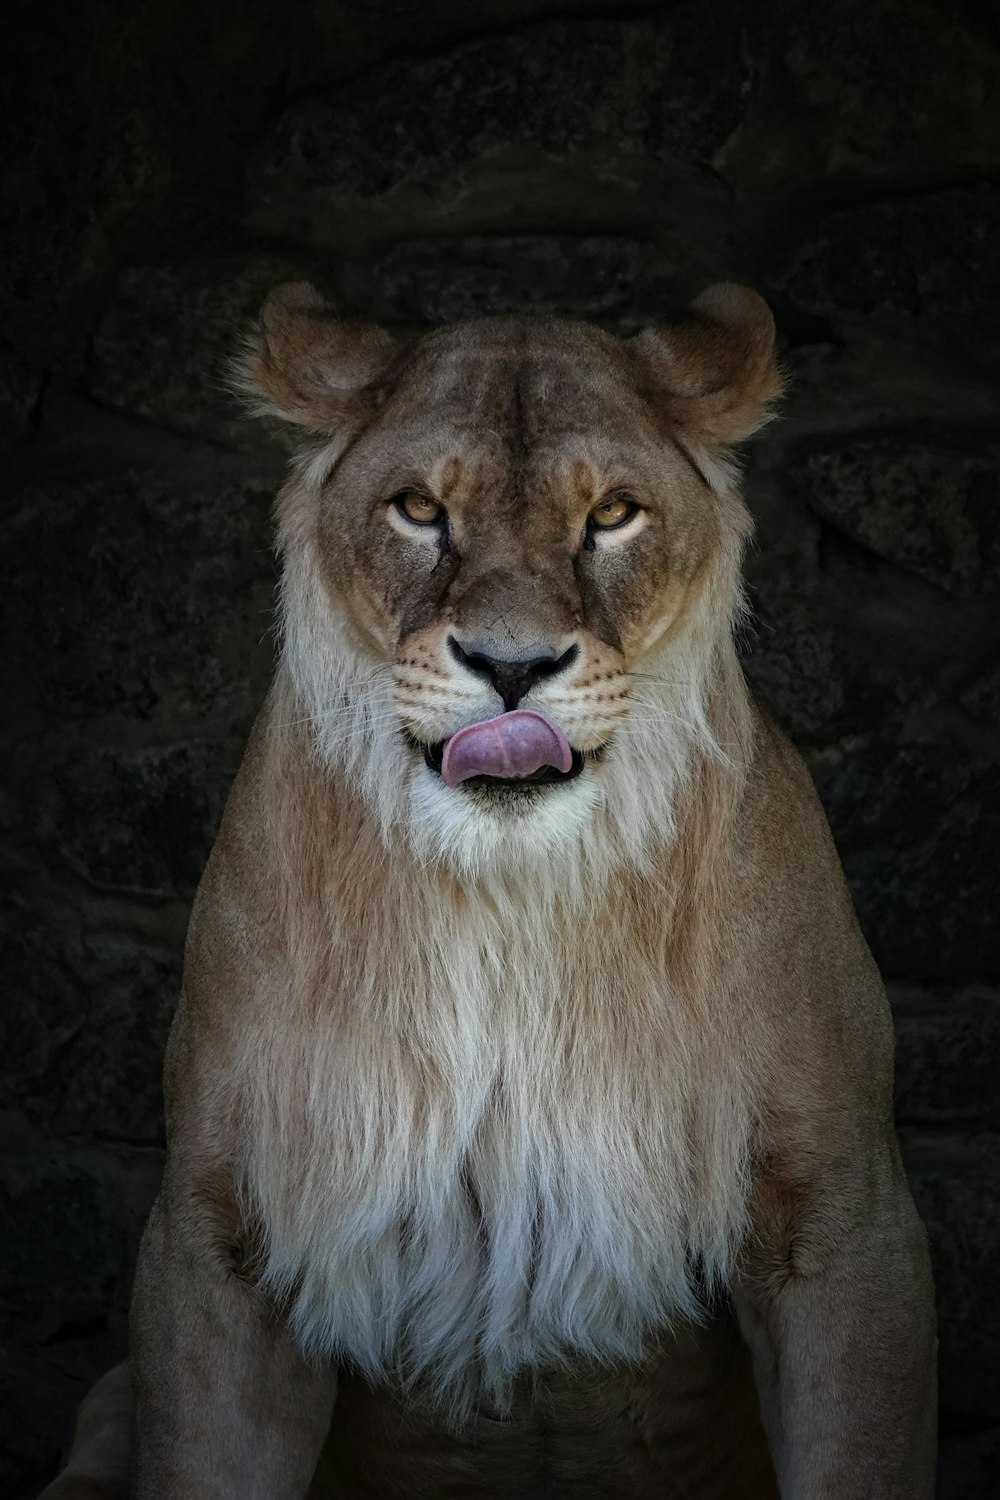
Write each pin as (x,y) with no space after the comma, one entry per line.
(525,561)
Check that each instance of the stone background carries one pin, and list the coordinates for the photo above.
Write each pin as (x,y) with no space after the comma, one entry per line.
(164,162)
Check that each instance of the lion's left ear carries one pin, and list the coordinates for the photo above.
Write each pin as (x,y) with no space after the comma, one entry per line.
(713,368)
(303,364)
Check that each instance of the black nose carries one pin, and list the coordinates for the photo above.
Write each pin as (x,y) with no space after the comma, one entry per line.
(512,679)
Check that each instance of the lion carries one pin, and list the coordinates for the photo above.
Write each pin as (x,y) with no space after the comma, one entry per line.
(529,1096)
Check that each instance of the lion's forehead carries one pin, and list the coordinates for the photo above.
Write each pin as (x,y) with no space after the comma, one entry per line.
(518,382)
(507,408)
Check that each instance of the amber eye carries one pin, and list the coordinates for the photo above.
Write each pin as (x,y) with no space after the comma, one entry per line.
(614,510)
(419,508)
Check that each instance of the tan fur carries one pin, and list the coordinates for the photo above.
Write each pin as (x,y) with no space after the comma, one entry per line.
(503,1107)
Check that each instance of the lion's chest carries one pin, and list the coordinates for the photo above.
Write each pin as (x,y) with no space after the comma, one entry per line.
(460,1216)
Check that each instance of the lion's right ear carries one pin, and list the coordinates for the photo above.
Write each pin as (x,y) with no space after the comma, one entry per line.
(713,370)
(303,364)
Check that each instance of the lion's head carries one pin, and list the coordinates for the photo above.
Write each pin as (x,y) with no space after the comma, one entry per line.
(511,564)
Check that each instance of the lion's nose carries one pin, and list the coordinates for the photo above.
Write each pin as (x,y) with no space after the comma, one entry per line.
(512,679)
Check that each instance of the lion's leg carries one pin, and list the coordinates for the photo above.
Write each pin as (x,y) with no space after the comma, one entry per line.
(840,1319)
(226,1406)
(100,1455)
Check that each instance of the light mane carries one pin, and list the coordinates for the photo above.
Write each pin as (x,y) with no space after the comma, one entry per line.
(476,1159)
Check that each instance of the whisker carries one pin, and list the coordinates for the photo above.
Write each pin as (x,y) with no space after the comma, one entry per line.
(434,698)
(326,714)
(362,708)
(437,697)
(663,718)
(656,677)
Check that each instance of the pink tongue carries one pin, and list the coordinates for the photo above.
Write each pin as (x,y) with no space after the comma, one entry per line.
(513,745)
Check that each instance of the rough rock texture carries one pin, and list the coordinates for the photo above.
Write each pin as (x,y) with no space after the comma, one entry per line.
(946,1051)
(930,258)
(981,697)
(162,348)
(20,388)
(601,277)
(932,510)
(161,167)
(956,1186)
(610,103)
(915,820)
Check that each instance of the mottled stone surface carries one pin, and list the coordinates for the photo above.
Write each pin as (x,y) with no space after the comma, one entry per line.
(561,109)
(143,821)
(61,1255)
(799,645)
(162,167)
(933,258)
(121,122)
(870,91)
(136,582)
(981,695)
(956,1186)
(163,347)
(70,1219)
(591,276)
(932,509)
(947,1054)
(20,387)
(82,1035)
(917,825)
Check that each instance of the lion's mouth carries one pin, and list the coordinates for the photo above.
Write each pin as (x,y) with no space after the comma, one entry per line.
(518,749)
(543,776)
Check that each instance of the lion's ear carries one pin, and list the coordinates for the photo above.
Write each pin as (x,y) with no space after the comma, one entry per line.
(713,369)
(302,363)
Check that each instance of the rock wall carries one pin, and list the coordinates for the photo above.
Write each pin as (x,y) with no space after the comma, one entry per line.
(163,165)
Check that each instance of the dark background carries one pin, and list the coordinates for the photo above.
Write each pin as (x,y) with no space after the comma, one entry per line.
(163,165)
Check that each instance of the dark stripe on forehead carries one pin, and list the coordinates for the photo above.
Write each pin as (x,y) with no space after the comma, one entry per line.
(481,378)
(480,383)
(517,437)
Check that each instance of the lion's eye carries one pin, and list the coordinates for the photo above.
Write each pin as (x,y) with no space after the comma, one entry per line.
(613,511)
(419,508)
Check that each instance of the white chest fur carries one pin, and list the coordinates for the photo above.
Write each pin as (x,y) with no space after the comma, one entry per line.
(480,1161)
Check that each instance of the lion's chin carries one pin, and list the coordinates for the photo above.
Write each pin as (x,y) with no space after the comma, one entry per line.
(491,826)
